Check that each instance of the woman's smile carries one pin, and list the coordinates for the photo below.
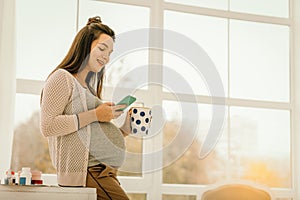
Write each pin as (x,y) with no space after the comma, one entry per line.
(100,62)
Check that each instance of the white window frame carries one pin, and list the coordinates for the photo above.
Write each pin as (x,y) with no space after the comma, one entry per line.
(145,183)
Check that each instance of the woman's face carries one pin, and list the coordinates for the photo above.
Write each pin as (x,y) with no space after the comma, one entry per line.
(100,52)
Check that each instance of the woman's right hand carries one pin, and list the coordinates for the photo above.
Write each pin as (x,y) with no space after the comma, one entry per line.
(108,111)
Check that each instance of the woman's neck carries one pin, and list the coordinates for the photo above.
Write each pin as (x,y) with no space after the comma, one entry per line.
(81,77)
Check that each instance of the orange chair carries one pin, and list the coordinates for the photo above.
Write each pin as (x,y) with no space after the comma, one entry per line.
(238,191)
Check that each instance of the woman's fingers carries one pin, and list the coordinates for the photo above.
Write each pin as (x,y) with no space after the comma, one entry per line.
(117,110)
(109,103)
(118,107)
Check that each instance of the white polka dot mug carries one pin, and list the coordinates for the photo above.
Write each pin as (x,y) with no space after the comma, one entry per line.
(140,120)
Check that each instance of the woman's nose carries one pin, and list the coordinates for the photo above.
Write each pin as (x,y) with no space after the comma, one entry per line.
(104,56)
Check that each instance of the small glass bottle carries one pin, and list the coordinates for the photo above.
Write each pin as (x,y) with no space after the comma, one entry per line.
(7,177)
(25,176)
(17,175)
(10,178)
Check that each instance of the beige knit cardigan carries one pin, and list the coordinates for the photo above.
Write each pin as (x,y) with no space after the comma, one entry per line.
(62,98)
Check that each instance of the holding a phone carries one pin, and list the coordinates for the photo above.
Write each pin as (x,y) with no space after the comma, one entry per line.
(128,100)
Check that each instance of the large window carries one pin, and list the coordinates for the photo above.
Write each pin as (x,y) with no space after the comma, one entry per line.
(247,44)
(42,40)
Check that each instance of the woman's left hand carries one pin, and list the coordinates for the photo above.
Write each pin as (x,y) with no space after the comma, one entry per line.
(126,127)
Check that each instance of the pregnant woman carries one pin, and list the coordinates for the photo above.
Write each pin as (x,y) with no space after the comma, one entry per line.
(85,147)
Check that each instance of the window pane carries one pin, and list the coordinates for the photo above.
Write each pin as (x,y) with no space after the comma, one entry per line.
(123,69)
(260,145)
(26,105)
(216,4)
(137,196)
(259,61)
(133,162)
(113,15)
(180,171)
(30,148)
(211,37)
(129,71)
(277,8)
(192,81)
(178,197)
(43,38)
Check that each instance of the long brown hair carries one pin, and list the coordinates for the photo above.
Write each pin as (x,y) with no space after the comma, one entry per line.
(79,53)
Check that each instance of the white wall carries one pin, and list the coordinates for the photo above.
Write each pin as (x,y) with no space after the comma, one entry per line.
(7,80)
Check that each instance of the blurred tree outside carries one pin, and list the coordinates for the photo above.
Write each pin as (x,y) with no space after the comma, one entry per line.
(189,169)
(30,147)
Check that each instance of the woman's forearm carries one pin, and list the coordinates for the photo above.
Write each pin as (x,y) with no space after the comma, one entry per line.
(85,118)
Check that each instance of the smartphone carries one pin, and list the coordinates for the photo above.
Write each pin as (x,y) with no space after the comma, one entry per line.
(128,100)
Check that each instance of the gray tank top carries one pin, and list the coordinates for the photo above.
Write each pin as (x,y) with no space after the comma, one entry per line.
(107,143)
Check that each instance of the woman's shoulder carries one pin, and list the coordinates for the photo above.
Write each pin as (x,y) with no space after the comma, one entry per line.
(62,73)
(61,76)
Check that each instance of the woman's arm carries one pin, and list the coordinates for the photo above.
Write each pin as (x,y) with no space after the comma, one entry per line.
(57,93)
(126,127)
(103,113)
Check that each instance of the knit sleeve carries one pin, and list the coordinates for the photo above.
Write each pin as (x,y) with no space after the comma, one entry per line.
(56,95)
